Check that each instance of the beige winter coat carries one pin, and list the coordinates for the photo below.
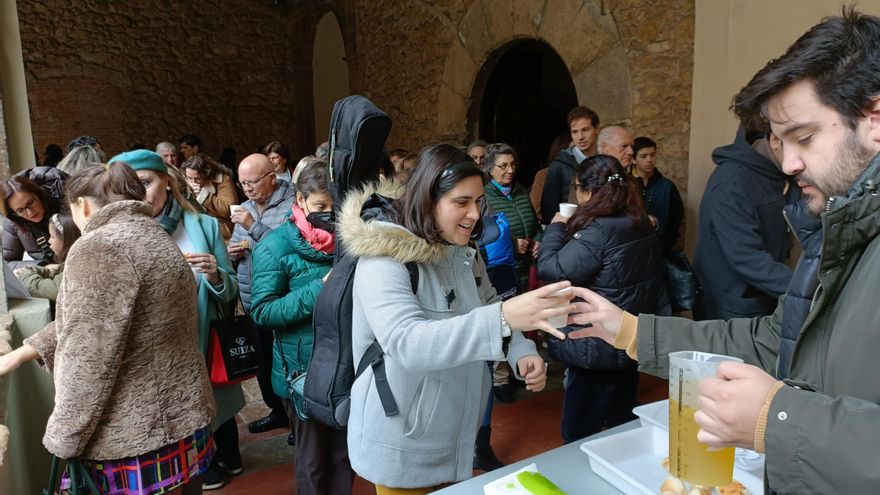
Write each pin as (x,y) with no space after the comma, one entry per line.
(123,350)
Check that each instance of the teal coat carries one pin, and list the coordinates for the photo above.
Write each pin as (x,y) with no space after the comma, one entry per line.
(204,233)
(524,223)
(286,275)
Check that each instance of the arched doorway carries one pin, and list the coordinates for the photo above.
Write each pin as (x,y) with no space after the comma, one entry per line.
(329,72)
(521,97)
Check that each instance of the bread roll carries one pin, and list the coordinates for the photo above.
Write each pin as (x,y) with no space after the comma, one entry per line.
(672,486)
(735,488)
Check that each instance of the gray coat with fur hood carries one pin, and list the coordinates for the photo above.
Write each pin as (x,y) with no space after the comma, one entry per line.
(435,352)
(123,350)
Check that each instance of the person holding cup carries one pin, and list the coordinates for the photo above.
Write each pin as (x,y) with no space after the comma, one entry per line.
(212,188)
(609,245)
(806,394)
(437,338)
(198,237)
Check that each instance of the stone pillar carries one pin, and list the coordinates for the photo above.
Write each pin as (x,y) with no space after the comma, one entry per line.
(14,92)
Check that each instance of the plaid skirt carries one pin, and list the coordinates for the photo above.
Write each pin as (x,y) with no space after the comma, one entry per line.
(153,473)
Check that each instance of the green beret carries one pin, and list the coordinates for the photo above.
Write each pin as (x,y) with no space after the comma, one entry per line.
(141,160)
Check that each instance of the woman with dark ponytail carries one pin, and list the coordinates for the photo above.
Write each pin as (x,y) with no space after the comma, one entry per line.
(133,401)
(609,246)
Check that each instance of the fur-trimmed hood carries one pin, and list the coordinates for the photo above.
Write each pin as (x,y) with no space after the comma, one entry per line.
(377,235)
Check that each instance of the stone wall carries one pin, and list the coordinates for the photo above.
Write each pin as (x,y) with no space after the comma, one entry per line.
(632,61)
(152,70)
(240,73)
(659,41)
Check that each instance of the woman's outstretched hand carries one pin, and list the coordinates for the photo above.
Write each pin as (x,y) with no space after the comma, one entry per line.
(531,310)
(11,361)
(597,311)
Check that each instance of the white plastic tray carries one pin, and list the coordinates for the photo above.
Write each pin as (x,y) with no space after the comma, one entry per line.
(631,461)
(656,415)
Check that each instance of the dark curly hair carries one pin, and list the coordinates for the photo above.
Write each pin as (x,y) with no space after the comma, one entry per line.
(614,193)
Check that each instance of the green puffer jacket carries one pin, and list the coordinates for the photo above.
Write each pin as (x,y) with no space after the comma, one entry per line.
(287,274)
(822,429)
(524,223)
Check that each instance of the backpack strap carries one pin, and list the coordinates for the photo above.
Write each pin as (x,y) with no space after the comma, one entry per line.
(374,357)
(413,270)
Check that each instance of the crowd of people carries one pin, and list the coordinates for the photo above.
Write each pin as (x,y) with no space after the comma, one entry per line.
(459,277)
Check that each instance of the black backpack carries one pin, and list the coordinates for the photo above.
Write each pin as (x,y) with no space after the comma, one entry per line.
(331,372)
(358,130)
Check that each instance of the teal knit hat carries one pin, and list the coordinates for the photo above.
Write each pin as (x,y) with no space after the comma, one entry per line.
(141,160)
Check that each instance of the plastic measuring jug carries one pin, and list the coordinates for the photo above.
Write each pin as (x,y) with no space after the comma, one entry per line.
(689,459)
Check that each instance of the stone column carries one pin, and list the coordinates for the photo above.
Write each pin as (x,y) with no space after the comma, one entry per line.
(15,98)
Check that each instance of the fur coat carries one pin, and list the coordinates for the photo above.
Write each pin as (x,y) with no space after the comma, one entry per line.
(123,350)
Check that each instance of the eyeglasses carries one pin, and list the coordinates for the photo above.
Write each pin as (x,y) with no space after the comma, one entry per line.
(251,183)
(29,206)
(506,166)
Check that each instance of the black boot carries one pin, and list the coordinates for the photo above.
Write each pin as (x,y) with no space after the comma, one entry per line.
(484,458)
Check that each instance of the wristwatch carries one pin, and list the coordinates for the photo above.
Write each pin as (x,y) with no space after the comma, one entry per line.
(505,328)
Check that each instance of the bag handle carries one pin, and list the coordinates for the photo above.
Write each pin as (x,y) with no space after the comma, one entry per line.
(75,469)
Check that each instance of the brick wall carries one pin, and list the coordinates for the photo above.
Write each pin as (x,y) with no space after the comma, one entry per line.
(152,70)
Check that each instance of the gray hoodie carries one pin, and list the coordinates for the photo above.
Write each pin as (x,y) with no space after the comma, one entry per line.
(435,352)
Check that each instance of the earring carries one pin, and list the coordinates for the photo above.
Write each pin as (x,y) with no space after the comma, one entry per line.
(167,188)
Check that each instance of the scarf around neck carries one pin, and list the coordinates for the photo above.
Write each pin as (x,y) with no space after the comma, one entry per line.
(320,240)
(170,216)
(504,190)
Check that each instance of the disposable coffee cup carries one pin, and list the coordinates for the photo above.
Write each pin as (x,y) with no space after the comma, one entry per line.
(562,320)
(567,209)
(233,209)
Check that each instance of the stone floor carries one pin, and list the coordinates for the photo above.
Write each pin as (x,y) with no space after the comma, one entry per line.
(268,460)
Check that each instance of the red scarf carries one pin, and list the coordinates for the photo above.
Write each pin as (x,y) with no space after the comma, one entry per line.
(319,239)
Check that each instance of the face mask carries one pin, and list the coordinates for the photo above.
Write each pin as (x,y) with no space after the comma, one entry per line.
(321,220)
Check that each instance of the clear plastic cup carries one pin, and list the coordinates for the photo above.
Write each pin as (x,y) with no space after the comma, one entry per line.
(689,459)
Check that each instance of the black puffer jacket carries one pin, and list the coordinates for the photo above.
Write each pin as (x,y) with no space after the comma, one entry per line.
(20,235)
(613,257)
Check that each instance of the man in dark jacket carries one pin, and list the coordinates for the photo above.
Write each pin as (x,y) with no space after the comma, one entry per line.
(743,238)
(584,126)
(809,397)
(662,199)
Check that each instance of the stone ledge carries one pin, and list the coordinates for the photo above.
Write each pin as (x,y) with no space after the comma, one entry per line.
(6,322)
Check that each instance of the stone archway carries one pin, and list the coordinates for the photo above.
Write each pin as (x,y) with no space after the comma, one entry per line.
(585,38)
(521,97)
(329,71)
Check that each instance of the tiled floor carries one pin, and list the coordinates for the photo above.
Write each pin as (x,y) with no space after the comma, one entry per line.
(525,428)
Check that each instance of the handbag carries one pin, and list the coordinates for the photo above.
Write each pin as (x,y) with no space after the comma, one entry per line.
(296,382)
(233,354)
(76,472)
(681,282)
